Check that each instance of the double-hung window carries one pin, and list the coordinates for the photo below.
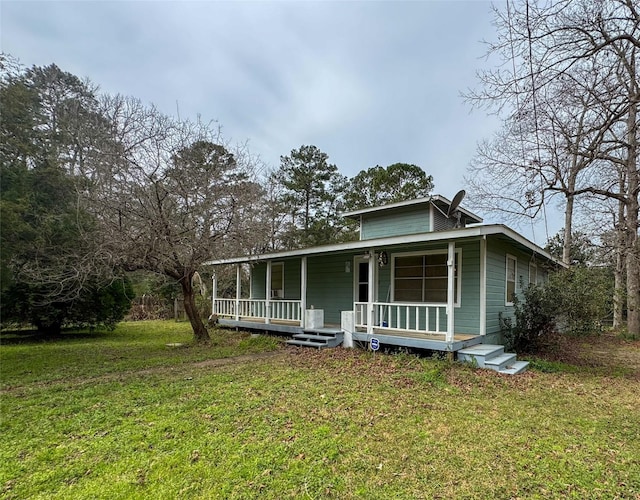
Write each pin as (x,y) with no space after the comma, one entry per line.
(424,277)
(510,287)
(533,273)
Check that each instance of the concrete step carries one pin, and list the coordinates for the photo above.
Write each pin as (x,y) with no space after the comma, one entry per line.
(497,363)
(480,353)
(321,338)
(318,338)
(515,368)
(492,357)
(308,343)
(326,332)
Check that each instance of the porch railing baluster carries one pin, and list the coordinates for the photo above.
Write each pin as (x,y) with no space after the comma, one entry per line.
(394,317)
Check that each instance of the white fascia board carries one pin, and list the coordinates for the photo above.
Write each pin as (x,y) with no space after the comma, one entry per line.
(398,204)
(431,237)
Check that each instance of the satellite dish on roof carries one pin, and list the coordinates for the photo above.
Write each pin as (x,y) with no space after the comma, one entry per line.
(456,201)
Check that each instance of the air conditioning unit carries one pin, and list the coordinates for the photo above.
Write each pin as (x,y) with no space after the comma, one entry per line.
(277,294)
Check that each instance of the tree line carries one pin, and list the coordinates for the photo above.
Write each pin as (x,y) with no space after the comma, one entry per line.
(96,186)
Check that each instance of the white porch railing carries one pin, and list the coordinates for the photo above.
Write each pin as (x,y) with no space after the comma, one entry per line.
(285,310)
(412,317)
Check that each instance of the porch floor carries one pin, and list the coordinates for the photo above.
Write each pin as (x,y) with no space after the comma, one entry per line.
(385,336)
(280,326)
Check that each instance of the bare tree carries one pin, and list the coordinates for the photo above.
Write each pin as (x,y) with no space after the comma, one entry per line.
(570,96)
(173,196)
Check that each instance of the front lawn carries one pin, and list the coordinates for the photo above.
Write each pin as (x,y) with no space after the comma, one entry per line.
(108,421)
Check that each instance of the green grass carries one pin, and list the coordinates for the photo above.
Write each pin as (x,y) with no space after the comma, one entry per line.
(303,424)
(132,346)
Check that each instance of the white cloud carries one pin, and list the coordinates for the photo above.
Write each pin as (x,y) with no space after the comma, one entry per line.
(367,82)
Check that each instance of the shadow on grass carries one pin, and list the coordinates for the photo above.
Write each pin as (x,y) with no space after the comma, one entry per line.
(25,337)
(598,354)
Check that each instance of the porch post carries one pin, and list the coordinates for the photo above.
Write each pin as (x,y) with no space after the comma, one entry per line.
(303,290)
(451,262)
(267,308)
(483,286)
(238,290)
(371,298)
(214,293)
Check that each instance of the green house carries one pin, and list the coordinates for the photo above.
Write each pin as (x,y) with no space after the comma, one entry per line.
(419,276)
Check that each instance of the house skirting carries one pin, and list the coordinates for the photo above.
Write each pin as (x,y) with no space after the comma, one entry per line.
(395,338)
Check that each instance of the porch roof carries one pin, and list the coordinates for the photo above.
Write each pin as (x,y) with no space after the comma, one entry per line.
(499,231)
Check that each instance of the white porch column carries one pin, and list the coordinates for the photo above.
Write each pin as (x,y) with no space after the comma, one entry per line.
(372,288)
(451,262)
(483,286)
(238,290)
(267,308)
(303,290)
(214,292)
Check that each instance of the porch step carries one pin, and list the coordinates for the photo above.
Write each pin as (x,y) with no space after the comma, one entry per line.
(500,362)
(479,353)
(515,368)
(492,357)
(320,338)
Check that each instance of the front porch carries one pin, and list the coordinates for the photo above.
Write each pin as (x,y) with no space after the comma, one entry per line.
(422,326)
(296,295)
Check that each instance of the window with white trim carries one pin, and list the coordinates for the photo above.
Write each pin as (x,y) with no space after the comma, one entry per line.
(424,277)
(533,273)
(510,282)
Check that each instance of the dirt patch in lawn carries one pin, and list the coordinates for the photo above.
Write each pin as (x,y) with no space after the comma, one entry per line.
(604,352)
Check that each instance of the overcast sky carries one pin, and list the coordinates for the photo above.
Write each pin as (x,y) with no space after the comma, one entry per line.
(368,82)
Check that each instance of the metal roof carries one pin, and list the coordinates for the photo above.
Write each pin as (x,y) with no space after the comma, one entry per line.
(354,214)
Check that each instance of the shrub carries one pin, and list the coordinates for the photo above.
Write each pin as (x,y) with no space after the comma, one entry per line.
(532,323)
(580,298)
(574,301)
(96,306)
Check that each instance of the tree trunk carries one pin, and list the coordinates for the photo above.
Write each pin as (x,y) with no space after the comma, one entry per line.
(633,274)
(620,263)
(633,183)
(200,333)
(568,235)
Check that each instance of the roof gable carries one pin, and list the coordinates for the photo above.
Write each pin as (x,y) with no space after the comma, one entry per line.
(411,217)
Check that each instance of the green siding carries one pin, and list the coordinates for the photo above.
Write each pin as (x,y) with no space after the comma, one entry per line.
(496,275)
(467,316)
(292,279)
(258,280)
(411,220)
(384,282)
(329,286)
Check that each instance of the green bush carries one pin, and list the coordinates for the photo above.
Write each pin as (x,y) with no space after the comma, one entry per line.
(95,306)
(574,301)
(532,323)
(580,298)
